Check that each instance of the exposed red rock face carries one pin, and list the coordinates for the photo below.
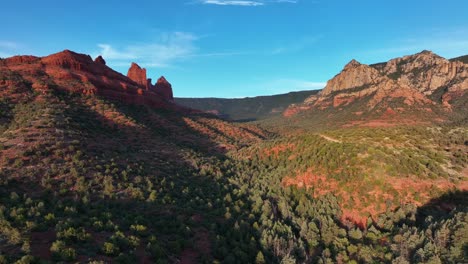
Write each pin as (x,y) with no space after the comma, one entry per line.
(408,82)
(74,72)
(164,88)
(353,75)
(99,59)
(20,59)
(69,60)
(295,109)
(138,74)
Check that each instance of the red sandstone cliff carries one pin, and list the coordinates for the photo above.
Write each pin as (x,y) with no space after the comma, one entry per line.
(78,73)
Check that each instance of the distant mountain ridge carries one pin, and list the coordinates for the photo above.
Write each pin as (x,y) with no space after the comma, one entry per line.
(463,59)
(249,108)
(425,85)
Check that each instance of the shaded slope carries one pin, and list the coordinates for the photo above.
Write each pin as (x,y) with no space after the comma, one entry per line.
(107,178)
(114,180)
(463,59)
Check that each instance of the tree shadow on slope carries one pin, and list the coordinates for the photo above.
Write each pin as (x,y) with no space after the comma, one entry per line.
(440,207)
(151,172)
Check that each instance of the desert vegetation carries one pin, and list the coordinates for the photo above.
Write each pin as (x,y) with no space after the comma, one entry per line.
(85,179)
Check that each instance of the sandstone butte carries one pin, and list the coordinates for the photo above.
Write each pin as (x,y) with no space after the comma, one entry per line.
(79,73)
(413,79)
(162,86)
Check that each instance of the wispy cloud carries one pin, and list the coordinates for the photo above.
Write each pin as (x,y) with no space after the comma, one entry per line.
(232,3)
(162,52)
(243,2)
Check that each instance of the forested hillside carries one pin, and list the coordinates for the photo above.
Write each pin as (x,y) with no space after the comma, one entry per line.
(246,109)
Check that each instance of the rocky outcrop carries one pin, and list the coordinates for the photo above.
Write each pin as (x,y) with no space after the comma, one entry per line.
(353,75)
(138,75)
(164,88)
(69,60)
(79,73)
(427,72)
(20,60)
(407,83)
(99,59)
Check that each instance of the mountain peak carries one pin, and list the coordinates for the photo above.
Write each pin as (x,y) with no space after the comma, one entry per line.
(99,59)
(427,55)
(426,52)
(164,88)
(412,79)
(352,64)
(353,75)
(137,74)
(68,59)
(162,79)
(135,65)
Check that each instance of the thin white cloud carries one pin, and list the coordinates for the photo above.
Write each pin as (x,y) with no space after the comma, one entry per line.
(218,54)
(232,3)
(243,2)
(163,52)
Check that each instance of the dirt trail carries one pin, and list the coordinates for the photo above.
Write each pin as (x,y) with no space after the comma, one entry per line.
(330,138)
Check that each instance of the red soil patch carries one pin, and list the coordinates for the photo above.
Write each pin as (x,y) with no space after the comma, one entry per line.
(359,204)
(295,109)
(274,151)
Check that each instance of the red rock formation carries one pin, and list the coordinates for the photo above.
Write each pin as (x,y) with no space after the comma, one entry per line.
(149,85)
(138,75)
(354,75)
(74,72)
(407,82)
(164,88)
(20,60)
(69,60)
(99,59)
(426,72)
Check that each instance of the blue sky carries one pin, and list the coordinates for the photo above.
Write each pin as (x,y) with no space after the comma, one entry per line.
(218,48)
